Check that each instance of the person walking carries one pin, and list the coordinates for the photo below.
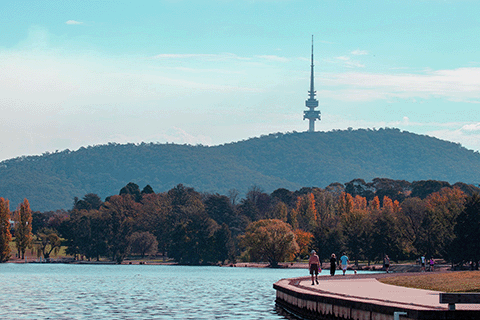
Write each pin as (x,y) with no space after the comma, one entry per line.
(386,261)
(333,264)
(314,266)
(345,261)
(432,264)
(422,260)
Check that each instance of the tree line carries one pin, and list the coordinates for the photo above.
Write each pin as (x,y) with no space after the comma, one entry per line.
(366,220)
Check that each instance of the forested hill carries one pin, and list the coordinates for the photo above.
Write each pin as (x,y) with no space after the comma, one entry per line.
(291,161)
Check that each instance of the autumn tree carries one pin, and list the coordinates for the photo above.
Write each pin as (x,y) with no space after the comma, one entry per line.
(345,203)
(304,241)
(5,235)
(269,240)
(23,227)
(143,243)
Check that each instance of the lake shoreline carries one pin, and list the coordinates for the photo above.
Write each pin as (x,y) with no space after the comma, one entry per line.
(394,268)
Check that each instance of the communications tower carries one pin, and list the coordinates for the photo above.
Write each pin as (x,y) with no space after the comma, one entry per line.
(311,103)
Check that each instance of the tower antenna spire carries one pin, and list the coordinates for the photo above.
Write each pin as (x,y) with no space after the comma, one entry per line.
(311,103)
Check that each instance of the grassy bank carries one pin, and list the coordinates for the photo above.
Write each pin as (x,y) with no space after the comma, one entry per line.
(461,281)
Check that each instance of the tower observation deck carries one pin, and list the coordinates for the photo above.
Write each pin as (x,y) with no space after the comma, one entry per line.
(311,102)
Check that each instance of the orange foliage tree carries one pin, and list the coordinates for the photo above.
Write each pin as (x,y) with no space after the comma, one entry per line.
(5,235)
(304,239)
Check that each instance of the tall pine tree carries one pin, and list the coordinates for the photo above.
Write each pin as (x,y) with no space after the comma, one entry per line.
(23,227)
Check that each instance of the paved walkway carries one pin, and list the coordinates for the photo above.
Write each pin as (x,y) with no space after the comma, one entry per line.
(364,287)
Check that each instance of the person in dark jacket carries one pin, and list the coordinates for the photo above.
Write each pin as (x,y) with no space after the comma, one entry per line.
(333,264)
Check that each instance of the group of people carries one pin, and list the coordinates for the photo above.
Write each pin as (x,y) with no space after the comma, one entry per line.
(315,267)
(423,261)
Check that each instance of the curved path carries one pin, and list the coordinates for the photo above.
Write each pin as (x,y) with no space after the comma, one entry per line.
(367,288)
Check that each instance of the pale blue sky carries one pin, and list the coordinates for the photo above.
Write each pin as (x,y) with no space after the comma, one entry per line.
(77,73)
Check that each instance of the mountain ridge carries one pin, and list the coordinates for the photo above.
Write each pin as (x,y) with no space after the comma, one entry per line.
(278,160)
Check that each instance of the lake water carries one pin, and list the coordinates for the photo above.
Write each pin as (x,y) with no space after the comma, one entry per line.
(67,291)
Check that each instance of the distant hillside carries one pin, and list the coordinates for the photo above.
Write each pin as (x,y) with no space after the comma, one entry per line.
(290,161)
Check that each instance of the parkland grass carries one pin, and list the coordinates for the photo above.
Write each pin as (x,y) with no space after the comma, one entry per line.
(455,281)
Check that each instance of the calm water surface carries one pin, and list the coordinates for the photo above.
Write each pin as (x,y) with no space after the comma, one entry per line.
(63,291)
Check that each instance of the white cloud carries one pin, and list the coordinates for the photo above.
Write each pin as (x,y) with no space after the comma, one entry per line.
(359,52)
(347,62)
(468,140)
(474,127)
(274,58)
(217,57)
(201,56)
(73,22)
(461,85)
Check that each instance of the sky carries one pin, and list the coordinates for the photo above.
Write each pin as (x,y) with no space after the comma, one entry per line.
(80,73)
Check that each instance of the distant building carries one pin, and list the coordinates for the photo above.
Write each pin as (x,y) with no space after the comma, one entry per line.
(311,103)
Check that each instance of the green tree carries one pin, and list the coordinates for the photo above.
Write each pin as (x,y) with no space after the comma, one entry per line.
(219,208)
(271,240)
(354,232)
(5,235)
(23,227)
(328,240)
(306,212)
(437,229)
(147,190)
(156,208)
(191,239)
(120,214)
(222,245)
(85,233)
(413,214)
(90,201)
(189,228)
(385,231)
(466,247)
(48,241)
(279,211)
(133,190)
